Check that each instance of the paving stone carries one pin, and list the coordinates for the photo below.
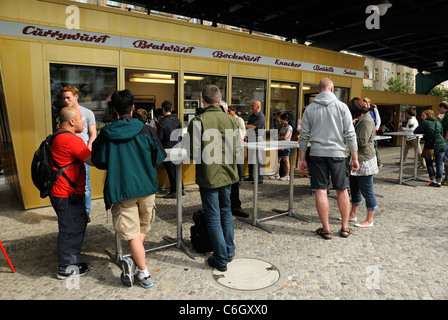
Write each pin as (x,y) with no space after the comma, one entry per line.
(404,256)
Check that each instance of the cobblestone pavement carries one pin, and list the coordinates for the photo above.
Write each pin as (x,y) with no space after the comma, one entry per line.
(404,256)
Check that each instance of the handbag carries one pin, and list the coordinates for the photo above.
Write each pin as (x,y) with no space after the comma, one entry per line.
(428,152)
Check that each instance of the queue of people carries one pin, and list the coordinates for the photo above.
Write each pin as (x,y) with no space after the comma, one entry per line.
(338,137)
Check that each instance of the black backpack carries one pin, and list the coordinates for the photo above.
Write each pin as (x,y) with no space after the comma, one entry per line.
(200,239)
(42,172)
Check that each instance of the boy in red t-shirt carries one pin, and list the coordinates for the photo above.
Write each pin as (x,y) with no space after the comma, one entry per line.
(67,202)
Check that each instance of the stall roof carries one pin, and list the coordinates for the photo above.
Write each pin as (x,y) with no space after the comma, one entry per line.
(411,33)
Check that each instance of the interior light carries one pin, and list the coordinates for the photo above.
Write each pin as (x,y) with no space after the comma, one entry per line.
(147,80)
(193,78)
(306,88)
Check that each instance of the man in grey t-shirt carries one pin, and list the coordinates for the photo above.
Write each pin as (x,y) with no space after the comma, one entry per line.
(88,135)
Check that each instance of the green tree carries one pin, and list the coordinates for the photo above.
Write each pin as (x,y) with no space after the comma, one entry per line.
(403,84)
(439,91)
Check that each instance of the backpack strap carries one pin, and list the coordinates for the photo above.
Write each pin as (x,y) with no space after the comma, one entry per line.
(62,169)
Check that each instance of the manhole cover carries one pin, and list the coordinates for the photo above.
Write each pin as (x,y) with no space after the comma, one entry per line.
(247,274)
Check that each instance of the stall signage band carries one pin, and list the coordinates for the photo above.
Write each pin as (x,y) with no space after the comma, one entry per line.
(18,29)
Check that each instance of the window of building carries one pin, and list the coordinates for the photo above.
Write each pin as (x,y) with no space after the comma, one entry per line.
(377,74)
(386,74)
(284,98)
(367,73)
(193,85)
(244,92)
(95,85)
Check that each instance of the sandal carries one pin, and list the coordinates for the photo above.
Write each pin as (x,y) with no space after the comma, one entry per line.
(324,233)
(345,232)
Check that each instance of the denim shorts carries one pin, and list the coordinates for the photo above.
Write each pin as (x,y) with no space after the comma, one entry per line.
(321,168)
(283,153)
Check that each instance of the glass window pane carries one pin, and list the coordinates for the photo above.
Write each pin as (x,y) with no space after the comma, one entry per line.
(343,94)
(244,92)
(284,100)
(95,85)
(193,85)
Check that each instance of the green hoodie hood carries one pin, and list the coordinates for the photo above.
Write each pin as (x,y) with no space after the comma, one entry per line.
(126,129)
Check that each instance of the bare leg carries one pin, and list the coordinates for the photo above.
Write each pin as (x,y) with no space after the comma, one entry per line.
(322,207)
(353,212)
(344,206)
(138,251)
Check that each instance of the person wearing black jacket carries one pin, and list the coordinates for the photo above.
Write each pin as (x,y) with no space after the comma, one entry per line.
(167,125)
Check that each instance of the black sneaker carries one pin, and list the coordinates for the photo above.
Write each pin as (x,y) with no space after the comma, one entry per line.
(240,213)
(170,195)
(211,262)
(80,270)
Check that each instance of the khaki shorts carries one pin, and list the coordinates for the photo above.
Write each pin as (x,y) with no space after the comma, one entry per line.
(134,216)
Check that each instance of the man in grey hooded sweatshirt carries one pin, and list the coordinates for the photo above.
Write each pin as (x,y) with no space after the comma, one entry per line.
(327,125)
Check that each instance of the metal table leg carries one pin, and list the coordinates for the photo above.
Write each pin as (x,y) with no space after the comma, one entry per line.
(290,212)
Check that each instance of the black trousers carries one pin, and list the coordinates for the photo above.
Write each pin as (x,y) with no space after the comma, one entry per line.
(72,222)
(171,172)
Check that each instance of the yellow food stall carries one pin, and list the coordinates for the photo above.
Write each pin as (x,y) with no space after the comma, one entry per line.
(48,44)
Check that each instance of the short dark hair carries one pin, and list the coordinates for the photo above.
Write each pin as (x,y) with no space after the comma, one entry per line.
(411,112)
(167,106)
(211,94)
(357,107)
(122,101)
(444,105)
(232,108)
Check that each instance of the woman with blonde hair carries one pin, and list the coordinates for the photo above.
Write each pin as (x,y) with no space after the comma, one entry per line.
(434,140)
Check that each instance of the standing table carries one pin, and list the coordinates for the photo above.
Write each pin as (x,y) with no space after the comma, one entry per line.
(175,155)
(403,134)
(271,146)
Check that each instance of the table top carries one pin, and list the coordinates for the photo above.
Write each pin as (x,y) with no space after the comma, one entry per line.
(404,134)
(176,154)
(271,145)
(383,137)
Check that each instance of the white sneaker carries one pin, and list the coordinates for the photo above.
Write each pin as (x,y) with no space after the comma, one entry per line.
(275,177)
(285,178)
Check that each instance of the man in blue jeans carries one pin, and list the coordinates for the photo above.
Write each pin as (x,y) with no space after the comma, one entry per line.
(214,145)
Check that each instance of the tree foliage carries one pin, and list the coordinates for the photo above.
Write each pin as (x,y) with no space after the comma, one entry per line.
(439,91)
(403,84)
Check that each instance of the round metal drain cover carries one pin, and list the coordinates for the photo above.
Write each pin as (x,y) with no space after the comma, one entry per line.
(247,274)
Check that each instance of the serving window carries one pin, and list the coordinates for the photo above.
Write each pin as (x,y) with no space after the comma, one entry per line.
(284,97)
(193,85)
(95,85)
(246,91)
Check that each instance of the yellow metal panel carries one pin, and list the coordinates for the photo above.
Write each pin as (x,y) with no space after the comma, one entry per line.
(81,55)
(22,65)
(283,74)
(249,71)
(395,98)
(149,61)
(191,65)
(341,81)
(312,77)
(356,88)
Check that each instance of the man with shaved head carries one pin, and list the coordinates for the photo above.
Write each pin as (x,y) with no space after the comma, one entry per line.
(327,125)
(67,195)
(255,124)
